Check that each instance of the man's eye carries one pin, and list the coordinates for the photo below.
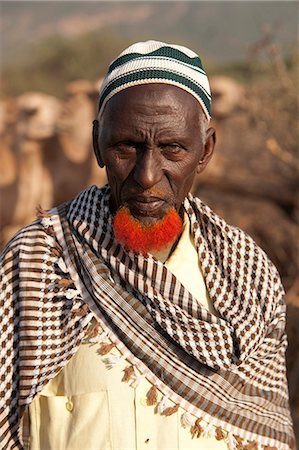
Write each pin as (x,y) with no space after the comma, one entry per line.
(126,148)
(172,149)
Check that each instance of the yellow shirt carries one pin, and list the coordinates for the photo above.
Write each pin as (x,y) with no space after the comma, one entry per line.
(87,406)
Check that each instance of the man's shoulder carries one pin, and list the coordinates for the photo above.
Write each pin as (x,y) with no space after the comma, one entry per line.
(214,220)
(232,237)
(31,238)
(241,260)
(27,236)
(34,234)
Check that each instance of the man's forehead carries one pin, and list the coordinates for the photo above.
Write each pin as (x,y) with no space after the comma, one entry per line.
(157,109)
(152,96)
(152,62)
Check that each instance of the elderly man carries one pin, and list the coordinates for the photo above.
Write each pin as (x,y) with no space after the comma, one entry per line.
(133,317)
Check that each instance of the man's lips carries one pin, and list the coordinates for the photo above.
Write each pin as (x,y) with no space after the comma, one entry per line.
(145,204)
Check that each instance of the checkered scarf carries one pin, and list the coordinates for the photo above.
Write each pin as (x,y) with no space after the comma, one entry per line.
(228,370)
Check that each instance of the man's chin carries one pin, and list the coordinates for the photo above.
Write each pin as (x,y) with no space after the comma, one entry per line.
(144,233)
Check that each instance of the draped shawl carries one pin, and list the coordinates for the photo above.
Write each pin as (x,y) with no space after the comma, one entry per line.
(228,369)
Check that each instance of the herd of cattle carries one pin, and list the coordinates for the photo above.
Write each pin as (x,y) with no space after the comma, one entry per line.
(46,159)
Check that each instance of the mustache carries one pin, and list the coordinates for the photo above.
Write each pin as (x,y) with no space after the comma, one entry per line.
(148,193)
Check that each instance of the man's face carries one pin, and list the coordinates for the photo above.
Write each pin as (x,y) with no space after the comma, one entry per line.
(151,143)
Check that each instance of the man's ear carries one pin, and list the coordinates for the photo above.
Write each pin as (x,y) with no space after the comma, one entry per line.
(210,142)
(95,143)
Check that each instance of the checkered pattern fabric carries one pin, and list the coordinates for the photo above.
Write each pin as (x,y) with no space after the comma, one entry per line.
(229,370)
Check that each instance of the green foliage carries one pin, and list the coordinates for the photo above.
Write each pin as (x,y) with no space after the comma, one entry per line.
(48,66)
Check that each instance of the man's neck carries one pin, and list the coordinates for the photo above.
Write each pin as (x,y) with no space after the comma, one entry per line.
(163,254)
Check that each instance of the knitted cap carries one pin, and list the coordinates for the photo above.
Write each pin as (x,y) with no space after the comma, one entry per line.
(157,62)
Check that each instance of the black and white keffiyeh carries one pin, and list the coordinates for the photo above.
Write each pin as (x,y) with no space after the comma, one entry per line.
(227,369)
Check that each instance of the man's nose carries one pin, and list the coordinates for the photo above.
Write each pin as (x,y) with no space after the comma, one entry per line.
(148,171)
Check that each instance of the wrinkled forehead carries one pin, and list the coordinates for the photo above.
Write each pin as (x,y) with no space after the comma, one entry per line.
(156,97)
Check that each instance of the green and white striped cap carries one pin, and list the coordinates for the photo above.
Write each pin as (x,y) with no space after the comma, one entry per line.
(157,62)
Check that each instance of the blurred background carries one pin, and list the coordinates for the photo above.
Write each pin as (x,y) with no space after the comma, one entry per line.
(53,56)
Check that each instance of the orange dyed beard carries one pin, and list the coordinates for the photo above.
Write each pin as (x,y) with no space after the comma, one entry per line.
(146,238)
